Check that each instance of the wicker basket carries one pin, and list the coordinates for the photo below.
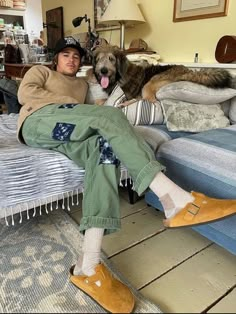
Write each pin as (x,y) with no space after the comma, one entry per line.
(6,3)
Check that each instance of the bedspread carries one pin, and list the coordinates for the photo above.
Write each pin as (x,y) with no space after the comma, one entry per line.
(32,177)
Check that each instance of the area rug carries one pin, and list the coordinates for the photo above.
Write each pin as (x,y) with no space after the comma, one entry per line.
(35,258)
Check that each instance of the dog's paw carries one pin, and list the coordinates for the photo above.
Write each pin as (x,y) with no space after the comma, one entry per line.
(150,98)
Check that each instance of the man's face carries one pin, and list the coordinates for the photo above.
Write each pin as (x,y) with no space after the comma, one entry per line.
(68,62)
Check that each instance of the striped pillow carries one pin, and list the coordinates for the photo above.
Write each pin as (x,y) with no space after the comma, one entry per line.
(141,112)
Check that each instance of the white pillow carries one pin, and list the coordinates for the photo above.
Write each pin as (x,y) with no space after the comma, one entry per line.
(195,93)
(189,117)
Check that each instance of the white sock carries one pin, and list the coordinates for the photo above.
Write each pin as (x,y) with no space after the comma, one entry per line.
(172,197)
(91,252)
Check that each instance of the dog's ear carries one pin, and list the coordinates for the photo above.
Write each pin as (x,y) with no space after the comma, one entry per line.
(121,62)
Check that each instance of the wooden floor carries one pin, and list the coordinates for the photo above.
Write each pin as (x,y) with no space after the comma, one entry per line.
(179,269)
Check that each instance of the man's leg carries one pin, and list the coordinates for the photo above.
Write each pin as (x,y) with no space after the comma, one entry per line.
(83,121)
(100,213)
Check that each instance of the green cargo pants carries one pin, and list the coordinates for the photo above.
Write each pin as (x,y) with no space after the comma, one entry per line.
(78,131)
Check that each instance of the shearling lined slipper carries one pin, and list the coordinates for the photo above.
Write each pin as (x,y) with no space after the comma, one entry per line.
(107,291)
(202,210)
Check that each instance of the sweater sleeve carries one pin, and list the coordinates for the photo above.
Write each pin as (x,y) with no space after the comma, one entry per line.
(32,89)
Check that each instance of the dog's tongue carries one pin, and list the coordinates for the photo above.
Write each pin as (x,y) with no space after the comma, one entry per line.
(105,82)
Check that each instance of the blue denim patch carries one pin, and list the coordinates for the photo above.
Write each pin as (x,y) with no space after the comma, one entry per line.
(67,106)
(62,131)
(107,156)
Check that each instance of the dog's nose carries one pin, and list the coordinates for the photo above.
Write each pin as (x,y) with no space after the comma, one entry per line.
(104,70)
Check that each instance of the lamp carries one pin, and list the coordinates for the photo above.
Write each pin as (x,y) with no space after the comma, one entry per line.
(123,12)
(78,20)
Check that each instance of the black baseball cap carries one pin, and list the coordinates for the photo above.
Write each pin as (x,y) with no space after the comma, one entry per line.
(68,42)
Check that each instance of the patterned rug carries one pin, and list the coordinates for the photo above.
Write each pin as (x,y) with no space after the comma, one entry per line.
(35,258)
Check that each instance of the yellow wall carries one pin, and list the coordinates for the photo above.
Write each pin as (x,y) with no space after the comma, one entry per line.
(176,42)
(179,41)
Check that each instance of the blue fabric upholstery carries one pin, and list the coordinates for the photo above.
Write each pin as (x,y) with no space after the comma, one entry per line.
(204,162)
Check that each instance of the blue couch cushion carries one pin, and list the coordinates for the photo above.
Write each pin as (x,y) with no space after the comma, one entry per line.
(205,162)
(161,128)
(155,135)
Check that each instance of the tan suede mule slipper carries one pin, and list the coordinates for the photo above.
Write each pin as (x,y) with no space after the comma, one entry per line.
(107,291)
(202,210)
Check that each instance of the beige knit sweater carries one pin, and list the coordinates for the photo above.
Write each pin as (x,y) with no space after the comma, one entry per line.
(42,86)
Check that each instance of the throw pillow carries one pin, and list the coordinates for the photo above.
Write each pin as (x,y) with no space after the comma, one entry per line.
(141,112)
(183,116)
(116,97)
(195,93)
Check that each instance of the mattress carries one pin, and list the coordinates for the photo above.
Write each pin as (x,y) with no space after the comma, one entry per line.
(33,177)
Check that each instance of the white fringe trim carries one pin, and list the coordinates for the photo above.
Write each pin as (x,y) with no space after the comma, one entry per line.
(67,198)
(9,212)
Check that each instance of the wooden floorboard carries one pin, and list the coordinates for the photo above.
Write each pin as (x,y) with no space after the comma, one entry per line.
(134,229)
(195,284)
(227,304)
(156,256)
(180,270)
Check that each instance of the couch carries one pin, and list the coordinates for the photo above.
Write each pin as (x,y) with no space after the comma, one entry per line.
(201,160)
(204,162)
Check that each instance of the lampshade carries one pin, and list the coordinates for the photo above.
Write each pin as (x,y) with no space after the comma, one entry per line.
(123,12)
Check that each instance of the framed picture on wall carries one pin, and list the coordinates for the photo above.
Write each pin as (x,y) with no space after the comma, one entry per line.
(186,10)
(100,7)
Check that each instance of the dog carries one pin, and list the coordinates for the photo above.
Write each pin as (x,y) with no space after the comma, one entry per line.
(111,67)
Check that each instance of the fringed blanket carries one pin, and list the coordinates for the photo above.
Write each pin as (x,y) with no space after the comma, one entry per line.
(32,177)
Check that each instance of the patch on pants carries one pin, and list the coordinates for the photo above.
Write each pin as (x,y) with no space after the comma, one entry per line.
(62,131)
(107,156)
(67,106)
